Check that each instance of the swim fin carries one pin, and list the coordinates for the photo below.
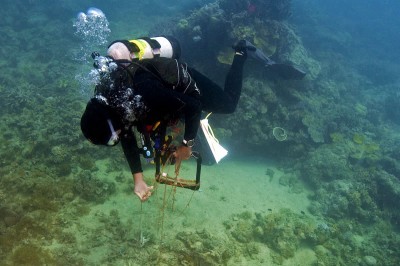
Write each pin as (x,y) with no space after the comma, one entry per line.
(285,71)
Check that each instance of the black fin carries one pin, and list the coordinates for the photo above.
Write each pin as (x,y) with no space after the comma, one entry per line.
(288,72)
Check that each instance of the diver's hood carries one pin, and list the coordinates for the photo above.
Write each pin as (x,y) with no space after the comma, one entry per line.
(94,123)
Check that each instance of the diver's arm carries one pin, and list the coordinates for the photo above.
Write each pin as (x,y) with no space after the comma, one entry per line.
(132,154)
(191,108)
(131,151)
(192,111)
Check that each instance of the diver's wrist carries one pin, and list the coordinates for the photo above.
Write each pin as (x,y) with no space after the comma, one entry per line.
(188,143)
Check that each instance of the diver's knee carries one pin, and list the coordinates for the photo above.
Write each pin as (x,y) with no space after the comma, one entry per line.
(229,109)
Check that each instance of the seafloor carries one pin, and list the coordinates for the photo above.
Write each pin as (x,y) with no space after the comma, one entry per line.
(326,195)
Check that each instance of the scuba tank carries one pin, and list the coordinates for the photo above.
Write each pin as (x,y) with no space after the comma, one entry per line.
(152,47)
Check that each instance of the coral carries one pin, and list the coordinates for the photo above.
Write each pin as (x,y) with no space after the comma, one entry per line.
(252,120)
(341,199)
(59,153)
(263,104)
(270,9)
(355,176)
(17,98)
(314,128)
(392,106)
(326,163)
(264,28)
(283,232)
(225,56)
(336,137)
(91,188)
(183,24)
(265,35)
(364,151)
(243,231)
(204,248)
(361,109)
(358,138)
(291,181)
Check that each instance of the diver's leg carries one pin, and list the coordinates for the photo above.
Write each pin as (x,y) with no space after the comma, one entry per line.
(213,98)
(233,82)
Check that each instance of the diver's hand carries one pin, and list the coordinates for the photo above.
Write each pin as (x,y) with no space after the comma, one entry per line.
(183,153)
(142,190)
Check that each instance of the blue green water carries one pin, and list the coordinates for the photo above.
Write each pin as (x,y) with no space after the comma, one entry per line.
(327,194)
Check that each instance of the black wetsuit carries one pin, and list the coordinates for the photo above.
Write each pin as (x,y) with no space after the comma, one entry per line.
(163,103)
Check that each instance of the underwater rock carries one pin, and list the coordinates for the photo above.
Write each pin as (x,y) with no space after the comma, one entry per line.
(270,173)
(284,180)
(243,231)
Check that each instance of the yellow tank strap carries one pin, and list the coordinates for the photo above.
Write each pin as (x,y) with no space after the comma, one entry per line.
(156,125)
(142,47)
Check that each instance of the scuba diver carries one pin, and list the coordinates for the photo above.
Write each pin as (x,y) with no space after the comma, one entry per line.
(143,86)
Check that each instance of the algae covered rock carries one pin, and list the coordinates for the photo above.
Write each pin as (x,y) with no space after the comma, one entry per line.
(243,232)
(272,9)
(216,26)
(284,231)
(325,164)
(92,188)
(204,248)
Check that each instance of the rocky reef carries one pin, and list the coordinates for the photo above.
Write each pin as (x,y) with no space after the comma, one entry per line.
(341,139)
(266,103)
(214,27)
